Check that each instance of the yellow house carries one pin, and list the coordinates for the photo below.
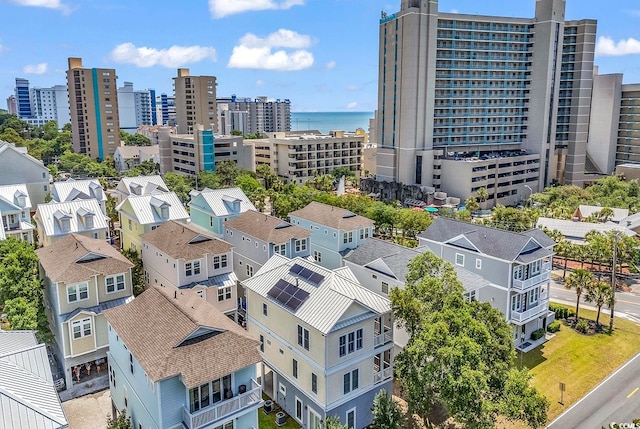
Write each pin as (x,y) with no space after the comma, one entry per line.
(82,277)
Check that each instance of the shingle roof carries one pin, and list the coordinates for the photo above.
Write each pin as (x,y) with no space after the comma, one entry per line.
(333,217)
(182,241)
(48,213)
(220,201)
(10,193)
(144,184)
(328,301)
(77,258)
(28,398)
(155,324)
(618,214)
(144,207)
(71,189)
(505,245)
(579,230)
(266,228)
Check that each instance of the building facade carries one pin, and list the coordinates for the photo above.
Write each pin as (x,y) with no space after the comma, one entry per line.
(23,98)
(93,100)
(455,85)
(18,167)
(15,213)
(195,102)
(210,208)
(54,221)
(135,107)
(166,110)
(253,115)
(74,190)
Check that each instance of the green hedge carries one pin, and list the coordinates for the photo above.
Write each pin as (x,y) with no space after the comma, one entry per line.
(537,334)
(554,327)
(561,312)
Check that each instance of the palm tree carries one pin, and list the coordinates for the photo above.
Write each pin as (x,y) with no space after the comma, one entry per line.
(563,249)
(482,194)
(580,280)
(598,293)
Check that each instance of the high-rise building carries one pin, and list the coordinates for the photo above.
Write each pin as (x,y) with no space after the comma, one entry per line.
(253,115)
(166,110)
(143,107)
(23,98)
(93,99)
(134,107)
(154,113)
(49,104)
(195,98)
(468,101)
(12,105)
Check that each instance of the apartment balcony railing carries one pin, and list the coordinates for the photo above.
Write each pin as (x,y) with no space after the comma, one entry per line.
(531,313)
(382,339)
(542,277)
(383,375)
(219,410)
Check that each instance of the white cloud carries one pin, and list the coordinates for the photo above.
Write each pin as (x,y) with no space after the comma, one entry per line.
(222,8)
(352,105)
(173,57)
(254,52)
(331,65)
(49,4)
(40,68)
(607,47)
(260,82)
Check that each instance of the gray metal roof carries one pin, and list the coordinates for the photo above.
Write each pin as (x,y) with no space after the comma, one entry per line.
(577,231)
(96,309)
(220,201)
(145,184)
(618,214)
(328,301)
(221,280)
(28,399)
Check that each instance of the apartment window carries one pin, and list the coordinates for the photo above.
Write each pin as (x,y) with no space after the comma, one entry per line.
(348,343)
(359,333)
(314,383)
(208,393)
(460,259)
(536,266)
(364,233)
(249,270)
(130,224)
(533,296)
(224,293)
(196,267)
(78,292)
(294,364)
(301,245)
(317,256)
(350,381)
(298,409)
(351,418)
(188,269)
(81,328)
(280,249)
(303,337)
(347,237)
(518,272)
(219,262)
(261,343)
(131,363)
(115,283)
(385,287)
(478,264)
(265,309)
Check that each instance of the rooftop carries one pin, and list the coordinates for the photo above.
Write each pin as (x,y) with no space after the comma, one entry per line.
(577,231)
(223,202)
(9,197)
(51,215)
(72,189)
(333,217)
(181,241)
(618,214)
(147,209)
(141,185)
(266,228)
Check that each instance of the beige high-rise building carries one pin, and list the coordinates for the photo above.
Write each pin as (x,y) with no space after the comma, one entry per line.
(93,104)
(195,102)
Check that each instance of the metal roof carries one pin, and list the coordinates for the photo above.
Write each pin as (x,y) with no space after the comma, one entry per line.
(328,301)
(46,215)
(96,309)
(618,214)
(10,194)
(71,189)
(220,201)
(577,231)
(144,211)
(146,184)
(221,280)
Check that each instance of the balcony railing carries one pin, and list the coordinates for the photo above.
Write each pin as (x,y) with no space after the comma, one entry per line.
(222,409)
(525,316)
(383,338)
(383,375)
(542,277)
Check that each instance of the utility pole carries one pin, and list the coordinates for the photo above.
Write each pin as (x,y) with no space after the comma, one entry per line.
(613,279)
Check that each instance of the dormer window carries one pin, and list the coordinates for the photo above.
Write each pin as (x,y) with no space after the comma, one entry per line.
(164,212)
(86,217)
(63,220)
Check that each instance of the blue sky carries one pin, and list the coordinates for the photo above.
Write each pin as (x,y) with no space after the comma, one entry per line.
(321,54)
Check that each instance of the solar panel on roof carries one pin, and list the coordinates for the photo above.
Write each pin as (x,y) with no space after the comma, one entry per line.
(296,269)
(316,278)
(288,295)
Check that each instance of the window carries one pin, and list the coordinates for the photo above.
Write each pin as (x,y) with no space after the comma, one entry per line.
(301,245)
(196,267)
(518,272)
(350,381)
(364,233)
(219,262)
(303,337)
(536,266)
(350,342)
(200,293)
(130,224)
(265,309)
(314,383)
(516,301)
(261,343)
(131,363)
(295,368)
(115,283)
(78,292)
(533,296)
(210,220)
(249,270)
(280,249)
(188,269)
(317,256)
(298,409)
(478,264)
(81,328)
(224,293)
(351,418)
(359,339)
(385,287)
(460,259)
(347,237)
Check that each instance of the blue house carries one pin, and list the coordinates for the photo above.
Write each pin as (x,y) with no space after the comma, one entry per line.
(210,208)
(175,361)
(334,231)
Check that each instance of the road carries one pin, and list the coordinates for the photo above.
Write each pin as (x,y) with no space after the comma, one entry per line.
(616,399)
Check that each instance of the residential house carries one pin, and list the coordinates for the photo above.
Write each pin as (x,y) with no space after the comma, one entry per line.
(82,277)
(128,157)
(73,190)
(518,265)
(381,266)
(15,213)
(576,232)
(28,397)
(210,208)
(256,237)
(177,362)
(327,340)
(632,222)
(334,231)
(56,220)
(182,256)
(583,212)
(20,168)
(139,185)
(140,214)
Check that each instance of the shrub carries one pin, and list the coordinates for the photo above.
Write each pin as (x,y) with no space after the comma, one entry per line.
(571,313)
(537,334)
(554,327)
(582,326)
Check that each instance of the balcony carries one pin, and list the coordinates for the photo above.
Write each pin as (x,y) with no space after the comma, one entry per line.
(382,339)
(383,375)
(520,318)
(223,409)
(542,277)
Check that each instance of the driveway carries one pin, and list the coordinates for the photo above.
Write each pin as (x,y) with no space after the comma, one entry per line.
(88,412)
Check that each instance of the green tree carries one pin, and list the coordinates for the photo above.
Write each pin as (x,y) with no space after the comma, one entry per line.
(122,421)
(482,195)
(50,130)
(521,401)
(137,272)
(383,217)
(227,171)
(180,184)
(386,412)
(249,185)
(338,172)
(598,293)
(145,168)
(12,136)
(333,422)
(580,280)
(19,271)
(236,132)
(22,314)
(322,183)
(412,221)
(471,204)
(134,139)
(512,219)
(271,181)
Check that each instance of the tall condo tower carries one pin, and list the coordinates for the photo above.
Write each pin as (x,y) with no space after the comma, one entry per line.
(195,99)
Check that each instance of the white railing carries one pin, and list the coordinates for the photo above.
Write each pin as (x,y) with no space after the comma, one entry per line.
(383,375)
(521,317)
(546,265)
(219,410)
(381,339)
(542,277)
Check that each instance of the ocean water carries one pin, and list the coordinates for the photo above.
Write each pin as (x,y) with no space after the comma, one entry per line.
(329,121)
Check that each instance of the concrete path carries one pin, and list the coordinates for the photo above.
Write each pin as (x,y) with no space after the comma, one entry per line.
(88,412)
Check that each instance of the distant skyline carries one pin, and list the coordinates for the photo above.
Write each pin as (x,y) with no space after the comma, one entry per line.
(320,54)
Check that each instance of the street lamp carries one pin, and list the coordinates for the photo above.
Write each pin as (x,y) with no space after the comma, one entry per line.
(530,193)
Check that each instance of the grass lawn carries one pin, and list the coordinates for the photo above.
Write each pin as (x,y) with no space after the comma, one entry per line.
(268,421)
(580,361)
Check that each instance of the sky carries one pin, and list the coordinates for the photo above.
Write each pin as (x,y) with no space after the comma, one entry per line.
(320,54)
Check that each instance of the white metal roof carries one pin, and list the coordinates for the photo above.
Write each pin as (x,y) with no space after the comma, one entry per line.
(146,184)
(220,201)
(618,214)
(146,208)
(10,194)
(47,215)
(579,230)
(328,301)
(71,189)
